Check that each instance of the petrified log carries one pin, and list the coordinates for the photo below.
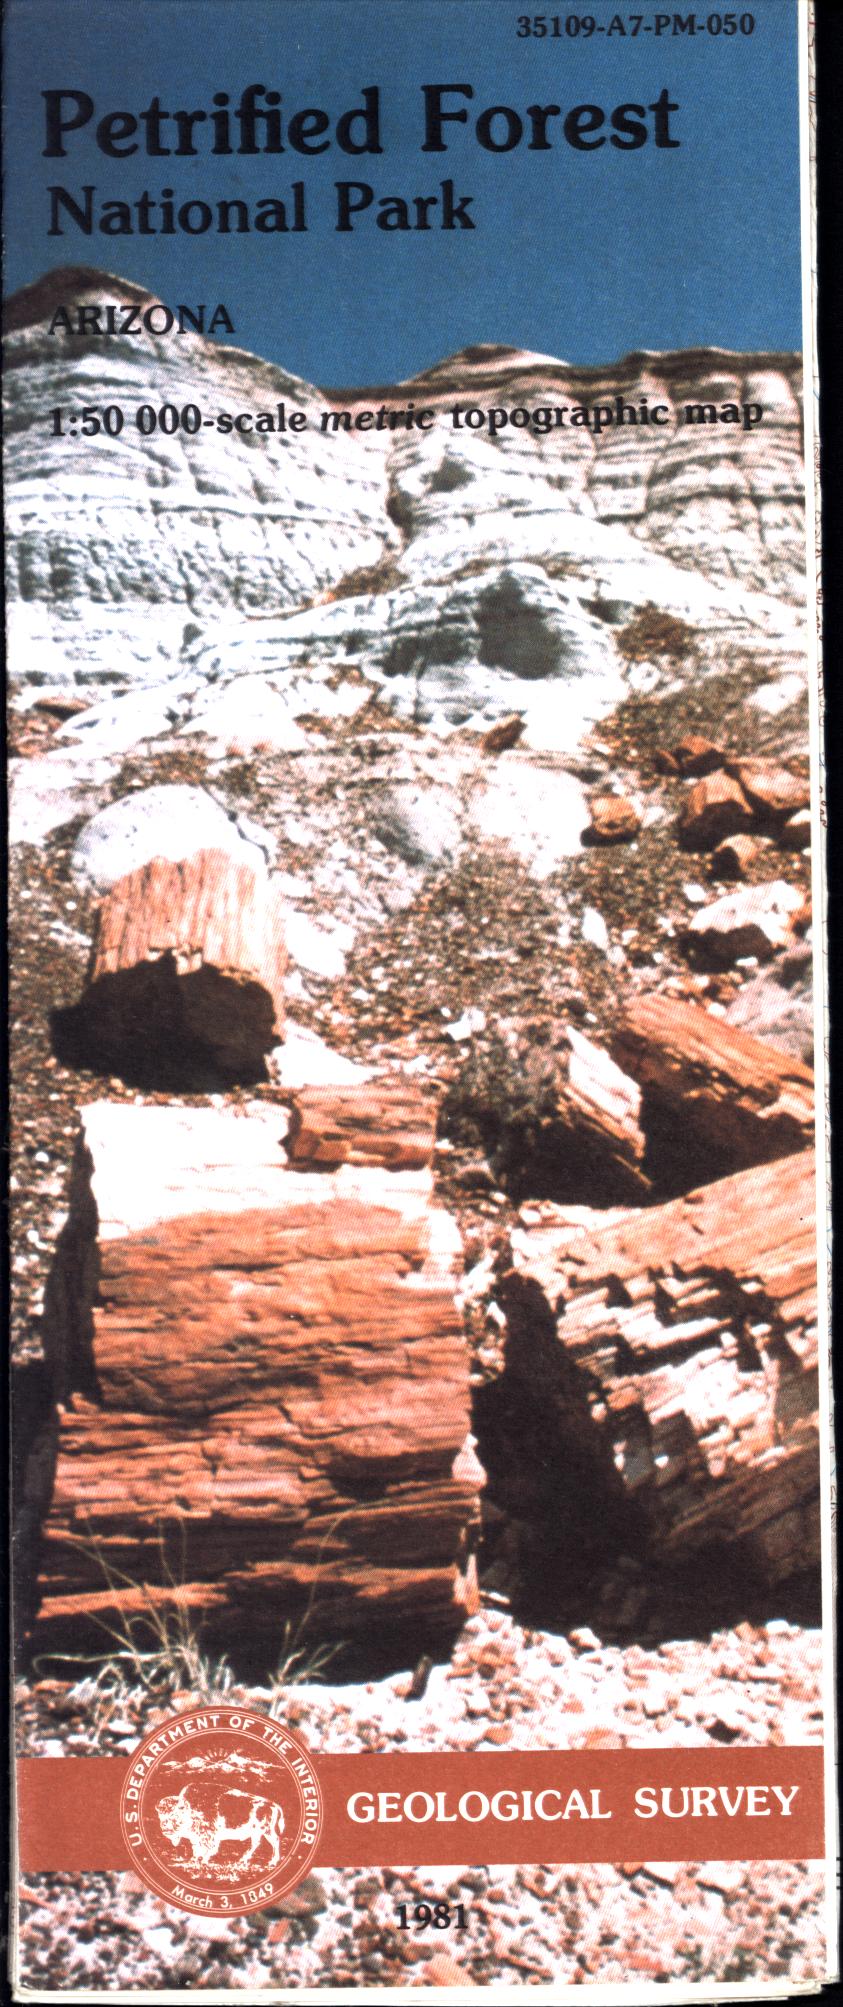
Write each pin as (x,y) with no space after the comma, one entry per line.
(556,1121)
(797,832)
(386,1122)
(504,734)
(265,1394)
(614,819)
(676,1347)
(598,1112)
(714,807)
(715,1099)
(771,790)
(734,857)
(186,972)
(696,756)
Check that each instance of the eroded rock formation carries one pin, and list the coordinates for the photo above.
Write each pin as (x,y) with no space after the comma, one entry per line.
(459,566)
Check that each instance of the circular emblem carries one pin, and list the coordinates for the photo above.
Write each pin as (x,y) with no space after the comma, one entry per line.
(221,1811)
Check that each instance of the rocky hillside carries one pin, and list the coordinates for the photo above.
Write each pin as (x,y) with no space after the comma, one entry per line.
(442,554)
(416,820)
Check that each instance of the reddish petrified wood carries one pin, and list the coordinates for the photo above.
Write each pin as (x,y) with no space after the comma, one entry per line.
(677,1346)
(265,1412)
(597,1118)
(187,969)
(771,790)
(696,756)
(712,1090)
(714,807)
(387,1122)
(614,819)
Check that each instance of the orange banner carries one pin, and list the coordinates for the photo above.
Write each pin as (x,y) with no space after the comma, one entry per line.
(477,1809)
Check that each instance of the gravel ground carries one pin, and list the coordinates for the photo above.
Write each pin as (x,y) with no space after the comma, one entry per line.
(505,1687)
(599,1925)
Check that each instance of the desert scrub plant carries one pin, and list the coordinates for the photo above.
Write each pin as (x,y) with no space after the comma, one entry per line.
(366,579)
(148,767)
(504,1101)
(299,1664)
(474,567)
(149,1646)
(651,632)
(168,1662)
(557,567)
(153,1649)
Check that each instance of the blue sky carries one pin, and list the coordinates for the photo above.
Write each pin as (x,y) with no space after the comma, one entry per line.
(584,255)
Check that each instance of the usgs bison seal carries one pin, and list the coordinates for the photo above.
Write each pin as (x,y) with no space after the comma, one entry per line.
(221,1811)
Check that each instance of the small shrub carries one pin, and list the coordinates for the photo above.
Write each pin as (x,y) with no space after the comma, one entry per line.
(365,579)
(153,1647)
(504,1102)
(651,632)
(298,1663)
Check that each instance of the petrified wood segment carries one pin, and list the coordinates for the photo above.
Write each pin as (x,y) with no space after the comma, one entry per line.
(381,1122)
(715,807)
(598,1117)
(712,1092)
(266,1406)
(614,819)
(771,790)
(556,1120)
(187,969)
(679,1342)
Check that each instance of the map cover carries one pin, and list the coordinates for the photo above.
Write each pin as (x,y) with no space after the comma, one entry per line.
(422,1471)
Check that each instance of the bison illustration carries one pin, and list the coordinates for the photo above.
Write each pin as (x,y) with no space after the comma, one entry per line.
(232,1820)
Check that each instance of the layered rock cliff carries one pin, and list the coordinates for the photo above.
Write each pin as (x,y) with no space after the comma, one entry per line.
(455,563)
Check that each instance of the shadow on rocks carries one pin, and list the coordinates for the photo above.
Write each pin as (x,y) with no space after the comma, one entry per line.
(160,1032)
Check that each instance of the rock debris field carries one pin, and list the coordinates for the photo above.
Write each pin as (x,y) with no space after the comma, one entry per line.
(718,1920)
(412,1045)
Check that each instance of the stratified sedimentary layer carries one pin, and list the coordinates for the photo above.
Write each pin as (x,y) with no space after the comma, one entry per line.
(518,547)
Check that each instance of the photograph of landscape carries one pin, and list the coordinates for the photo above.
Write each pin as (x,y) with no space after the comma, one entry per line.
(414,1017)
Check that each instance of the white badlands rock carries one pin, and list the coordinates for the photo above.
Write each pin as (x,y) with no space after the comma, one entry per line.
(165,821)
(464,1027)
(757,920)
(418,822)
(594,930)
(304,1060)
(47,792)
(246,714)
(775,697)
(459,566)
(468,650)
(124,722)
(208,520)
(778,1004)
(322,950)
(538,811)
